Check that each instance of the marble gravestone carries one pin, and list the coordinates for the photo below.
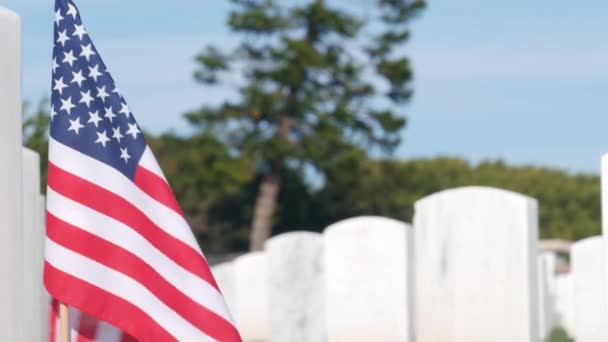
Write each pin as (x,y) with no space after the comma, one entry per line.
(11,239)
(224,276)
(33,245)
(546,294)
(250,297)
(369,281)
(564,302)
(604,188)
(476,266)
(296,287)
(589,285)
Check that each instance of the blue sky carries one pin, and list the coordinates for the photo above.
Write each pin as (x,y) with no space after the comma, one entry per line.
(525,81)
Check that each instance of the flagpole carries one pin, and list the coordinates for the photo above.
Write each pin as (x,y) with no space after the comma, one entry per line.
(64,326)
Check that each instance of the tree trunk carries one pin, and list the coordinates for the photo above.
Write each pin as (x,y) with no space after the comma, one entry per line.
(265,208)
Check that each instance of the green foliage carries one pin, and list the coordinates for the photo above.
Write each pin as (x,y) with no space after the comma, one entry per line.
(36,135)
(569,205)
(559,335)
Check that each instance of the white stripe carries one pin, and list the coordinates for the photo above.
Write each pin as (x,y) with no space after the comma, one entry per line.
(148,161)
(126,238)
(112,180)
(123,287)
(107,333)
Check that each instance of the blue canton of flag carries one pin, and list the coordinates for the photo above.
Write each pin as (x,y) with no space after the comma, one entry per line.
(88,112)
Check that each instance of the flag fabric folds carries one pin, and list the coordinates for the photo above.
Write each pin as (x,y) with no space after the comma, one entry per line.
(118,250)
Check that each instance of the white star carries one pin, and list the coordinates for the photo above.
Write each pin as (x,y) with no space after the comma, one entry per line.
(58,17)
(133,130)
(75,125)
(63,37)
(55,65)
(102,93)
(94,118)
(87,51)
(86,98)
(69,58)
(124,154)
(78,78)
(53,112)
(94,72)
(72,11)
(79,31)
(59,85)
(125,110)
(117,135)
(102,138)
(109,114)
(67,105)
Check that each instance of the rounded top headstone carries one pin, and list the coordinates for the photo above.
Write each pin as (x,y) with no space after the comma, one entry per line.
(474,192)
(290,237)
(364,223)
(586,242)
(6,13)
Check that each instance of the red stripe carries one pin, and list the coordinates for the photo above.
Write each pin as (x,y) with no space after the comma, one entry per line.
(116,207)
(125,262)
(87,328)
(53,319)
(103,305)
(157,188)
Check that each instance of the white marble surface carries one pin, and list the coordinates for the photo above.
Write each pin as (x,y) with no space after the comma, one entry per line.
(589,286)
(11,262)
(546,294)
(224,276)
(564,301)
(476,266)
(33,244)
(251,297)
(368,276)
(296,287)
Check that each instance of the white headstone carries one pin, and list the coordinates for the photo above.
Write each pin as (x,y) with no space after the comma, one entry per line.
(476,277)
(45,298)
(251,299)
(224,276)
(546,294)
(604,188)
(33,244)
(11,262)
(368,277)
(296,287)
(564,302)
(589,284)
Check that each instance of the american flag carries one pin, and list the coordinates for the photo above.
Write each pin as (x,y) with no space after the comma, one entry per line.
(118,252)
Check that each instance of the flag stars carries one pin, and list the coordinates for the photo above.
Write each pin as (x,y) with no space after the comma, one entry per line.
(124,154)
(63,37)
(109,114)
(72,11)
(94,72)
(67,105)
(69,58)
(102,138)
(86,98)
(75,125)
(94,119)
(125,110)
(87,51)
(79,31)
(55,65)
(102,93)
(58,17)
(116,134)
(78,78)
(59,85)
(133,130)
(53,112)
